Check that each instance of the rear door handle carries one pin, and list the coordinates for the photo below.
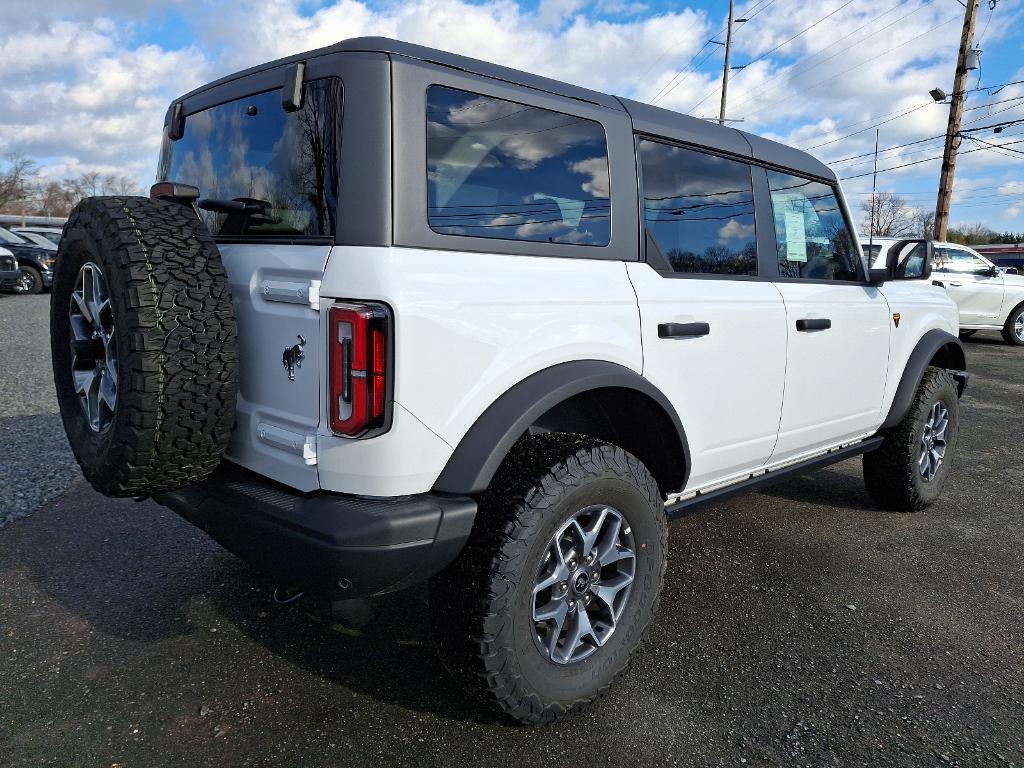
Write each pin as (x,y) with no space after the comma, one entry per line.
(682,330)
(956,285)
(813,324)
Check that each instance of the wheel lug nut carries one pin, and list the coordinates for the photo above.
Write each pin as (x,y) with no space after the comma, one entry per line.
(572,565)
(572,605)
(563,586)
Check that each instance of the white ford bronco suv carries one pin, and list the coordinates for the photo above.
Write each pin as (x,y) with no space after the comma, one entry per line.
(391,314)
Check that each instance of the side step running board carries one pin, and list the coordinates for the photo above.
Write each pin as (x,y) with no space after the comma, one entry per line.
(692,504)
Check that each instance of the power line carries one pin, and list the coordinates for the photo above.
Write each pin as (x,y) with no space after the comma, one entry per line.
(850,69)
(925,160)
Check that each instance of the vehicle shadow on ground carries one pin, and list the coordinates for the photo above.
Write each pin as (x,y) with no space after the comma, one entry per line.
(827,487)
(136,572)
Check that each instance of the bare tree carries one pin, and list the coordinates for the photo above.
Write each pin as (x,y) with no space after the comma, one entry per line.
(924,223)
(17,181)
(887,215)
(119,185)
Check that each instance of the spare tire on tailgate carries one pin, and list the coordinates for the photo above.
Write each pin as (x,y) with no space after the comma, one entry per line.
(143,341)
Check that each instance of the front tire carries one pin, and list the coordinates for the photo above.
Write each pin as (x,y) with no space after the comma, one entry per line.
(907,472)
(558,581)
(1013,331)
(31,281)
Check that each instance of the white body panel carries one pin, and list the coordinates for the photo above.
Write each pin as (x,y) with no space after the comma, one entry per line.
(835,377)
(468,327)
(727,386)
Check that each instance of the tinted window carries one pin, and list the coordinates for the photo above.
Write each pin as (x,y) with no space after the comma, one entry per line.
(810,231)
(251,150)
(959,260)
(500,169)
(699,209)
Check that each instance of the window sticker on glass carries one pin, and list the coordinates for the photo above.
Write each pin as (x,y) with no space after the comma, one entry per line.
(796,238)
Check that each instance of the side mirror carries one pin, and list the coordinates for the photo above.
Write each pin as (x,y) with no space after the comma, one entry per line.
(879,276)
(910,260)
(993,271)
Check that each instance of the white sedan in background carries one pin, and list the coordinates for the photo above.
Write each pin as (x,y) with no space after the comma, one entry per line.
(989,297)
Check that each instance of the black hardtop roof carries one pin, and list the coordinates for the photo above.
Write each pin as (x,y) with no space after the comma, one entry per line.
(645,117)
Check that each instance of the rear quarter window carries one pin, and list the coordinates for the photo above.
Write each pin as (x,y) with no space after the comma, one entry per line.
(252,150)
(505,170)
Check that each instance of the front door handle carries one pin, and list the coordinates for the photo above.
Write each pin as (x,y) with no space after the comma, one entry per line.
(682,330)
(956,285)
(813,324)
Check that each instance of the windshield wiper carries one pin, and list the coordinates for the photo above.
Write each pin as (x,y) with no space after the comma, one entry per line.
(233,206)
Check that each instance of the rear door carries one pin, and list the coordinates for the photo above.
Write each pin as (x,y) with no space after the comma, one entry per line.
(268,181)
(714,332)
(837,326)
(970,283)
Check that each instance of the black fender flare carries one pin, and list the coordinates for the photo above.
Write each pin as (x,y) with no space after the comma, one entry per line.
(930,345)
(483,448)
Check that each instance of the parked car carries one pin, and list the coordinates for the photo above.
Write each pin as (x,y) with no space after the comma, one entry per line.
(35,264)
(36,238)
(498,341)
(8,266)
(990,298)
(53,234)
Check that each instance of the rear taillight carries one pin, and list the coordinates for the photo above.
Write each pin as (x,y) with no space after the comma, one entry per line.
(358,359)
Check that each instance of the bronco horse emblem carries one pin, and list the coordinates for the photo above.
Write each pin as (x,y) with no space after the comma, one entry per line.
(293,357)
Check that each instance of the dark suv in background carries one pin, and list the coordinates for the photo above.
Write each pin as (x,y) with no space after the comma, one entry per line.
(35,264)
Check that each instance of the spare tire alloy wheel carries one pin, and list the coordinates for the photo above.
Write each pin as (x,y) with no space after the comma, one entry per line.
(583,584)
(93,347)
(144,345)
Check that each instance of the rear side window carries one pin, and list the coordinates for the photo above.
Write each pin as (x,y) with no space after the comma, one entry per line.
(699,209)
(810,231)
(250,150)
(958,260)
(500,169)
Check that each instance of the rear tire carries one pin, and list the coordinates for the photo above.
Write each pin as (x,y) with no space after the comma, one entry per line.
(485,606)
(143,342)
(898,474)
(1013,331)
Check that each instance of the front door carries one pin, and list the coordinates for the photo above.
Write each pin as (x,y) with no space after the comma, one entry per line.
(970,282)
(837,326)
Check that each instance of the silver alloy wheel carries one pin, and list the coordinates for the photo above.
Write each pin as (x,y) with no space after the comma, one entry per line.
(933,441)
(1018,327)
(25,283)
(583,584)
(93,347)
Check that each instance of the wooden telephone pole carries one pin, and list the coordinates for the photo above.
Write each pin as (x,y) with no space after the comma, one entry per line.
(725,69)
(956,112)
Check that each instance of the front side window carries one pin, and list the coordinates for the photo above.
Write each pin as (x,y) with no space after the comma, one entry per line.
(810,231)
(505,170)
(284,165)
(699,209)
(960,261)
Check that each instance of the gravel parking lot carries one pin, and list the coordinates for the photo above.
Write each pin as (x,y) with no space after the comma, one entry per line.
(800,626)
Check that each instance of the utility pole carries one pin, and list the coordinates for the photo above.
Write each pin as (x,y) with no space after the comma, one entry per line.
(874,203)
(956,112)
(725,69)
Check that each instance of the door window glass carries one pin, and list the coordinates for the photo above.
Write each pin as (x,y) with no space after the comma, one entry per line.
(810,231)
(699,210)
(960,261)
(505,170)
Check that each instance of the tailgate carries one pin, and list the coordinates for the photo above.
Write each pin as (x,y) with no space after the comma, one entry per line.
(280,358)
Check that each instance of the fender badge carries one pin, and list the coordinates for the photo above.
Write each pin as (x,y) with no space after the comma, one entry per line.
(895,319)
(293,357)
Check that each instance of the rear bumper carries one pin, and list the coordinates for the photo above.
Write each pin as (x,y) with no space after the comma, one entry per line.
(350,546)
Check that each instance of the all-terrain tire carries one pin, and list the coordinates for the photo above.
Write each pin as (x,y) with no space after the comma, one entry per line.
(892,472)
(1014,323)
(172,324)
(481,604)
